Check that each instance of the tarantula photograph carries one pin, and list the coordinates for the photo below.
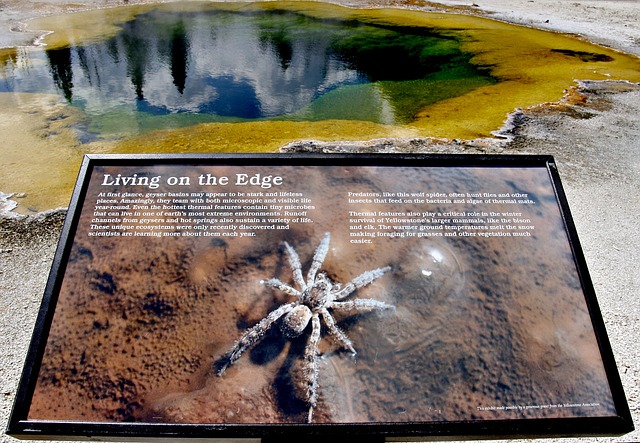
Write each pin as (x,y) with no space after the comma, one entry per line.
(315,298)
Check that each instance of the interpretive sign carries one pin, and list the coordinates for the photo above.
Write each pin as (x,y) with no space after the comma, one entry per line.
(275,296)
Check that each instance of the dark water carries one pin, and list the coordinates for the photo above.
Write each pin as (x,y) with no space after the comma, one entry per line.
(172,69)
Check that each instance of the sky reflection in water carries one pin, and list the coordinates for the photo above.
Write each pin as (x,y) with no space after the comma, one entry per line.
(173,69)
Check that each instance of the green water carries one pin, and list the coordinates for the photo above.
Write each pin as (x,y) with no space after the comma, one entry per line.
(171,69)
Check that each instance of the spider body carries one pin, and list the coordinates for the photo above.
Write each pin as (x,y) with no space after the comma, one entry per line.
(314,300)
(296,321)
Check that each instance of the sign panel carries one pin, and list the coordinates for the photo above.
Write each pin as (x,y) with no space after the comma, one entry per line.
(259,296)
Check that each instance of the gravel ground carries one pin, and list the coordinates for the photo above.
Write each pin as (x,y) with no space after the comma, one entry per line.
(612,23)
(597,148)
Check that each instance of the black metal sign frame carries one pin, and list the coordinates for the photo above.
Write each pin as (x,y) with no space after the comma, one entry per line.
(482,231)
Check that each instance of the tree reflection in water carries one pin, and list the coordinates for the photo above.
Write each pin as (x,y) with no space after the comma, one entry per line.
(225,65)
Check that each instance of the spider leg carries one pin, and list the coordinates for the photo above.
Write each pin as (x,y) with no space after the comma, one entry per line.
(253,335)
(318,258)
(360,281)
(336,331)
(311,365)
(362,305)
(278,284)
(296,267)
